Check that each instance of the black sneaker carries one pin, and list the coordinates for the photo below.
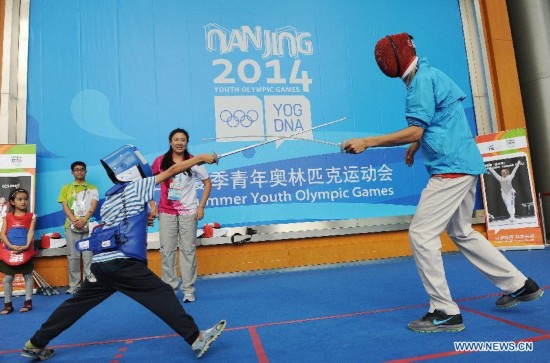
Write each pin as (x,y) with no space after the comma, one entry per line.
(437,321)
(530,291)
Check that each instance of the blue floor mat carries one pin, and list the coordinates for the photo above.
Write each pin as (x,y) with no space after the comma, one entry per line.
(356,312)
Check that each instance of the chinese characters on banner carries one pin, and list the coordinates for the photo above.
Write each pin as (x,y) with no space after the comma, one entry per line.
(234,78)
(17,170)
(511,209)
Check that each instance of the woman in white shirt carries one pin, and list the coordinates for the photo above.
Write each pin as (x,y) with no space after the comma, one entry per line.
(179,212)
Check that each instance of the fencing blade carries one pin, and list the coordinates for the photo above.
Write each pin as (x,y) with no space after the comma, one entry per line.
(218,157)
(323,142)
(39,284)
(48,289)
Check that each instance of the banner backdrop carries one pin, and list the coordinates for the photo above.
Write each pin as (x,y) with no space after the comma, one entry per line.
(107,73)
(17,170)
(511,209)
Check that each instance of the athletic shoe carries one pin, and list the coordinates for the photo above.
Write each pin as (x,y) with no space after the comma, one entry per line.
(530,291)
(91,277)
(30,351)
(72,290)
(207,337)
(188,298)
(437,321)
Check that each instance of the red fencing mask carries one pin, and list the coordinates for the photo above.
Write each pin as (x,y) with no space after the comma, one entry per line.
(394,54)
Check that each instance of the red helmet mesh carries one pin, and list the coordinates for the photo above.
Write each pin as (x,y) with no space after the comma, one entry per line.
(394,53)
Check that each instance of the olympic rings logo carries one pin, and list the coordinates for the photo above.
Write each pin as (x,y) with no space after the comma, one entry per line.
(239,117)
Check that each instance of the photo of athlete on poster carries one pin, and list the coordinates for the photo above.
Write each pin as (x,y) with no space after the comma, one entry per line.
(508,195)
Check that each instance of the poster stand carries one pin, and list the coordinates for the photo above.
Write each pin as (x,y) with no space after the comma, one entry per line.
(512,213)
(17,170)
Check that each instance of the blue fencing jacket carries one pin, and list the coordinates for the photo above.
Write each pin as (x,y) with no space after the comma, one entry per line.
(434,102)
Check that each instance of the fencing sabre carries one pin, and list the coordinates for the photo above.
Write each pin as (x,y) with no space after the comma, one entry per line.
(46,287)
(341,145)
(39,284)
(218,157)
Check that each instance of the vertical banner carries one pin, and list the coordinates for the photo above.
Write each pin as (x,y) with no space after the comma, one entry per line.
(17,170)
(511,209)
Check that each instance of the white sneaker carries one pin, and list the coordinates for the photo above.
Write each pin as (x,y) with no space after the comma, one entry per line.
(207,337)
(72,290)
(30,351)
(90,277)
(188,298)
